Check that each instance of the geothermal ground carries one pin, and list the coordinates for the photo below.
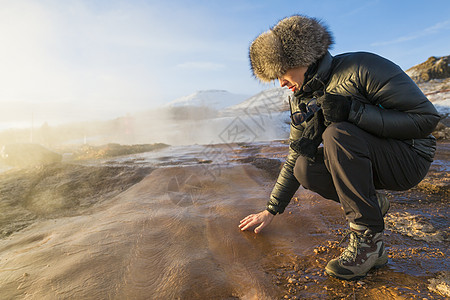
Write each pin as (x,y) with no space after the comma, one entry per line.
(164,225)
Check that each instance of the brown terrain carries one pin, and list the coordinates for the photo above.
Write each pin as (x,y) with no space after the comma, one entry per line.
(164,224)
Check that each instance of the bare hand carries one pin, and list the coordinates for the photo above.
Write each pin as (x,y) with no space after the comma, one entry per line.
(264,218)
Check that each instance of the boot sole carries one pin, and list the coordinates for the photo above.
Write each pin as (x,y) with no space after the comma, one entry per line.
(381,261)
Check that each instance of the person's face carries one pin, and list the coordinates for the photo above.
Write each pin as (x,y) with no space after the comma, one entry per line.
(293,78)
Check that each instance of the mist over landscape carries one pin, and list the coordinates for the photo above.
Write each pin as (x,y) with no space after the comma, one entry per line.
(199,118)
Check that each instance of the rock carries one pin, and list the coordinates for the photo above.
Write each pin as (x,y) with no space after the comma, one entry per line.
(114,150)
(440,284)
(270,165)
(433,68)
(292,280)
(441,131)
(24,155)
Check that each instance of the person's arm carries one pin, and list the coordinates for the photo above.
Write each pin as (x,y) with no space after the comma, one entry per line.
(284,190)
(397,108)
(286,184)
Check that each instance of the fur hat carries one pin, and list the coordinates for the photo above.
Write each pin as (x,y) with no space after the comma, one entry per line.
(295,41)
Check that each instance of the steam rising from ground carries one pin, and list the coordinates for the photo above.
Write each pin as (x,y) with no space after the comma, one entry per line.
(261,117)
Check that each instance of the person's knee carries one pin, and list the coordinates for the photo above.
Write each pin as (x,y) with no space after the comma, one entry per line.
(341,142)
(337,131)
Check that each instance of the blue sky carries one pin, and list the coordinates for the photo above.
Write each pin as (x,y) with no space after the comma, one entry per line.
(88,58)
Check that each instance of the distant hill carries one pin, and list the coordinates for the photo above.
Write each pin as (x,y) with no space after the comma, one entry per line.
(433,68)
(433,78)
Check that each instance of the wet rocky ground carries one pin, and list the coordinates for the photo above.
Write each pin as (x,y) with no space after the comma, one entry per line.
(192,234)
(417,239)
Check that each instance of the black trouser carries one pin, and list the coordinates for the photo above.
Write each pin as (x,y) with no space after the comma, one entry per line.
(354,163)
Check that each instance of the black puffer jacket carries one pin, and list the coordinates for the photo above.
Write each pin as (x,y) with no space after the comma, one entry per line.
(386,103)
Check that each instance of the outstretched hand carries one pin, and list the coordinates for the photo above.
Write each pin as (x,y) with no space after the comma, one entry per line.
(263,218)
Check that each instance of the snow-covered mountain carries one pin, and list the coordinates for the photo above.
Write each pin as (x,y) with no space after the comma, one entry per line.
(215,99)
(238,118)
(270,100)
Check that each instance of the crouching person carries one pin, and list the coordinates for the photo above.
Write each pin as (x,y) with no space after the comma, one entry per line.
(373,121)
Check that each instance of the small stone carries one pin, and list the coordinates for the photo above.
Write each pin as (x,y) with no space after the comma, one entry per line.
(292,280)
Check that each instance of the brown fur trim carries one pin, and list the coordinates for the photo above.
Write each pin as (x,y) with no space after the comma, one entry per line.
(295,41)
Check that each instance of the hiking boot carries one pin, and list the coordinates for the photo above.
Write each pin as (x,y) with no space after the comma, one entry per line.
(365,251)
(383,202)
